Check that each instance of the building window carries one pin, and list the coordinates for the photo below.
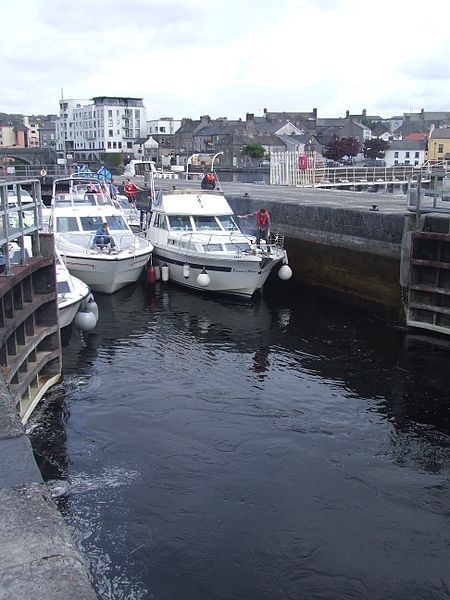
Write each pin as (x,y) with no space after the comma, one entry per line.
(114,145)
(162,129)
(406,162)
(406,154)
(110,133)
(119,144)
(109,113)
(395,154)
(416,155)
(129,144)
(109,144)
(441,148)
(416,162)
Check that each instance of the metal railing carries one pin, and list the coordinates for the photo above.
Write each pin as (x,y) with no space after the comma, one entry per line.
(19,222)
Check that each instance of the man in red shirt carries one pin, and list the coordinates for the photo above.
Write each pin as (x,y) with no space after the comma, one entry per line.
(130,190)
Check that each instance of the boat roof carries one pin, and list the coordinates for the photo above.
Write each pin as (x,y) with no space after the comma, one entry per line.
(188,202)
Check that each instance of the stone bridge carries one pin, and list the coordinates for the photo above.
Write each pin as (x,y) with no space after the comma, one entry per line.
(30,156)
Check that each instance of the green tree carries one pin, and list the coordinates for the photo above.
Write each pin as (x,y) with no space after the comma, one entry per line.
(375,148)
(254,151)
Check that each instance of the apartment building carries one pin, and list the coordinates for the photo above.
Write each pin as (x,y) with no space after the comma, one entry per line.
(105,124)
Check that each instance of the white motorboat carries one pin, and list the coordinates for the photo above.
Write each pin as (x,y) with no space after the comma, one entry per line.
(80,205)
(76,303)
(198,244)
(75,300)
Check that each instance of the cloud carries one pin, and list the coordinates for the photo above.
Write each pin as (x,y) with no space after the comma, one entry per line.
(225,58)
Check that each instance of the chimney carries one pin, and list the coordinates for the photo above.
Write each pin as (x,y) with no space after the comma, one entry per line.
(205,119)
(422,110)
(315,113)
(364,112)
(347,114)
(265,111)
(249,117)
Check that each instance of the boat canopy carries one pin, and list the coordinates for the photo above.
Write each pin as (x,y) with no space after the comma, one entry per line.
(192,204)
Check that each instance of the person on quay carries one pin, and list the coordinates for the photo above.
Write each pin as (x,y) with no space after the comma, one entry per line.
(262,224)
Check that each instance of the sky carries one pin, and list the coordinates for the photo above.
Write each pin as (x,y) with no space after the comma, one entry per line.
(226,58)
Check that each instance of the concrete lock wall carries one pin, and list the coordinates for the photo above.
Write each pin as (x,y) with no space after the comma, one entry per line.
(38,558)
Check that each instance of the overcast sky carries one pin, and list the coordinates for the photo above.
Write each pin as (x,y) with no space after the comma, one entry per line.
(188,58)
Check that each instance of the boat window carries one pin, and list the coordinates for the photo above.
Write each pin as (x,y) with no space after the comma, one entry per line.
(180,223)
(160,221)
(63,200)
(63,287)
(185,244)
(116,222)
(228,223)
(66,224)
(90,223)
(213,248)
(243,247)
(206,223)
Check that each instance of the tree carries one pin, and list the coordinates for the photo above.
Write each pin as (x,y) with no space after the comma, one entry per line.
(350,146)
(254,151)
(337,149)
(375,148)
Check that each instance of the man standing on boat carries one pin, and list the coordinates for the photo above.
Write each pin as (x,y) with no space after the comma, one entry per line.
(130,190)
(262,224)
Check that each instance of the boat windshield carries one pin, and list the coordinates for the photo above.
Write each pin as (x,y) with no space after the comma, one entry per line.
(63,287)
(93,223)
(206,224)
(228,223)
(64,224)
(180,223)
(243,247)
(213,248)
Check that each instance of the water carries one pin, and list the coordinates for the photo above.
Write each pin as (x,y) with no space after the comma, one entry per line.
(292,449)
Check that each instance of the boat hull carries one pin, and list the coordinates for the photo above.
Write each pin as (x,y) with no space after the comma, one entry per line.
(107,274)
(68,312)
(235,278)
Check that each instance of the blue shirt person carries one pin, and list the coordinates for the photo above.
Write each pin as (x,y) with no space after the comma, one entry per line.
(102,236)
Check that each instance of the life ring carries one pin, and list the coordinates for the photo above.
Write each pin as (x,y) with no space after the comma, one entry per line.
(43,172)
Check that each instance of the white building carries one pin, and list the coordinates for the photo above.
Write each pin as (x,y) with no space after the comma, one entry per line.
(105,124)
(402,152)
(164,125)
(65,130)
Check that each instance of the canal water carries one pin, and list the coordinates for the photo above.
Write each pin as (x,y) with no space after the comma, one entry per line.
(291,449)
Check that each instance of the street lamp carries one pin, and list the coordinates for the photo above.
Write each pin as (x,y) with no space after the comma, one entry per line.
(213,159)
(187,164)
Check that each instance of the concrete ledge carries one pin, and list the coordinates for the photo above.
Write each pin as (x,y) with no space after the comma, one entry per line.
(38,558)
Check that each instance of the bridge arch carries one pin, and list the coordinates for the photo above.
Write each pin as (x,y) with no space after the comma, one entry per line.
(29,156)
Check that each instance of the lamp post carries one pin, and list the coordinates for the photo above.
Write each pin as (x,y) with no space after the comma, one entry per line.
(213,159)
(187,165)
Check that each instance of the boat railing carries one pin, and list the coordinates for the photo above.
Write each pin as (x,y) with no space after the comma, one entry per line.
(276,238)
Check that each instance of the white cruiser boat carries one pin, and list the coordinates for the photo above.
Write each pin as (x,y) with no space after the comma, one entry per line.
(80,205)
(198,244)
(75,300)
(76,303)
